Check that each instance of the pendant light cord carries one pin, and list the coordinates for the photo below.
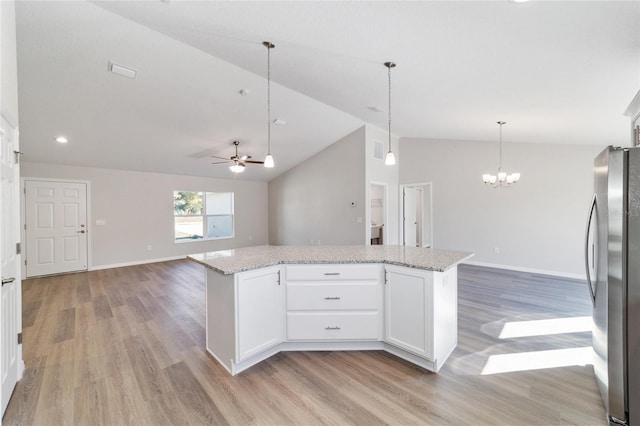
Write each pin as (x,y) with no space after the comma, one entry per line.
(269,99)
(389,67)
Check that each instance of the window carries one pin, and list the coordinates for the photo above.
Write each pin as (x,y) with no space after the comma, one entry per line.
(202,215)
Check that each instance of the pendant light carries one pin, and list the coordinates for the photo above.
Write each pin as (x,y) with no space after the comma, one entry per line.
(502,178)
(390,159)
(268,160)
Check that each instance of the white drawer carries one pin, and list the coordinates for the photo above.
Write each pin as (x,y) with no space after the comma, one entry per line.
(333,297)
(363,271)
(333,326)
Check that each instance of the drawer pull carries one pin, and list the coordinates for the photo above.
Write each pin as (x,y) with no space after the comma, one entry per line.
(332,273)
(332,328)
(332,298)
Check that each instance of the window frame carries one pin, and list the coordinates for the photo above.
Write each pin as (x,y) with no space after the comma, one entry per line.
(205,218)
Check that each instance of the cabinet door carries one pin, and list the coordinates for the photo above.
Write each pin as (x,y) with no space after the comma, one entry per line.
(260,311)
(408,309)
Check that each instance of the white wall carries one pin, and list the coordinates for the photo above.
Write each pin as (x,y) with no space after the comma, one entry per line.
(378,172)
(138,210)
(8,63)
(311,203)
(538,224)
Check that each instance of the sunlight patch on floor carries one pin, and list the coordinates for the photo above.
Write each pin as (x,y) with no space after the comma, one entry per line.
(514,329)
(537,360)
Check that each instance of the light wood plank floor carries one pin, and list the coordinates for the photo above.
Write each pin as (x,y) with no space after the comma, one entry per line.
(126,346)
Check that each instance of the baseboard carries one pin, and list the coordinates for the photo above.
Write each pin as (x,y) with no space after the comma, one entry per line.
(528,270)
(134,263)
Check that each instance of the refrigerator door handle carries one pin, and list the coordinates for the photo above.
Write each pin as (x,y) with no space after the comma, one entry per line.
(586,249)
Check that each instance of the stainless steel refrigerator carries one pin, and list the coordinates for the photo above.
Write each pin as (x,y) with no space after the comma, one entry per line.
(612,257)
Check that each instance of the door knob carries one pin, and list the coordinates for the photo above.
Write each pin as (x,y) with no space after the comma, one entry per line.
(7,280)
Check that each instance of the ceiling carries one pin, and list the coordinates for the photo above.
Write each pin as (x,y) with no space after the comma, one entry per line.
(556,72)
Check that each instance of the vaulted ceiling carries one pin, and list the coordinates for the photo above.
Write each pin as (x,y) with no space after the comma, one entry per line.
(556,72)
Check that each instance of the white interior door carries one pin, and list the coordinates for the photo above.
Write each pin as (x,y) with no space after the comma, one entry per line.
(56,227)
(410,219)
(10,297)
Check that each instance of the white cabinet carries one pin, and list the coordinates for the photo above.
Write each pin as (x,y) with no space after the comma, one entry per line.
(244,317)
(421,312)
(260,311)
(334,302)
(255,314)
(408,309)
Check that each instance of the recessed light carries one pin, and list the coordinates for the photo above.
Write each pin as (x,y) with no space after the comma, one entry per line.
(62,139)
(375,108)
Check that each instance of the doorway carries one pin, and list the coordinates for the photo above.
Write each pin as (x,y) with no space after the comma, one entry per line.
(416,208)
(55,227)
(377,212)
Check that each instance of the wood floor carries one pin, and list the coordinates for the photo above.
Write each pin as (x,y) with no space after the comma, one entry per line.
(126,347)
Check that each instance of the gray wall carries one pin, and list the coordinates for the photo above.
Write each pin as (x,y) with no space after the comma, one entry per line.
(538,224)
(311,203)
(138,210)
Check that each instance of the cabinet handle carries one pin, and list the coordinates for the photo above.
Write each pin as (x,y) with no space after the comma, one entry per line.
(332,298)
(332,273)
(8,280)
(332,328)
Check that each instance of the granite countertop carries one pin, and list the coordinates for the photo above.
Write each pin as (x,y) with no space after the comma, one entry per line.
(248,258)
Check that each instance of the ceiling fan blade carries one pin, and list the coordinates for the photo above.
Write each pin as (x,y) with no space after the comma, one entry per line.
(245,157)
(221,162)
(254,162)
(222,158)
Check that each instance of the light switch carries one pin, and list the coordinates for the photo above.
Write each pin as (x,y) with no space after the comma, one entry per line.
(101,222)
(359,219)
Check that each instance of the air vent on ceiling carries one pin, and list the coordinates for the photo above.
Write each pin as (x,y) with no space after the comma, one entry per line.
(378,149)
(122,70)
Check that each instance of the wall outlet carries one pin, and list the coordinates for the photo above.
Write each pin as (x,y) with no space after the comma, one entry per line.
(496,250)
(149,247)
(250,237)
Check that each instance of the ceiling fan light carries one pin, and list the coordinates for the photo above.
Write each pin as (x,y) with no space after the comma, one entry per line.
(237,168)
(516,176)
(268,161)
(390,159)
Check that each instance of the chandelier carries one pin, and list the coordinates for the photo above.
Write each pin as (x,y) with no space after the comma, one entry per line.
(502,179)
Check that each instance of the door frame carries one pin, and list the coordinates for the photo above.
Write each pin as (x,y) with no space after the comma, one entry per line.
(424,241)
(23,217)
(385,212)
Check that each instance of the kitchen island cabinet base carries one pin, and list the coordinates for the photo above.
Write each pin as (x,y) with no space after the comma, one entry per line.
(235,368)
(246,313)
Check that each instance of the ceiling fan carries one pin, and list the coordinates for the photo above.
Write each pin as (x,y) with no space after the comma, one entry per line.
(238,163)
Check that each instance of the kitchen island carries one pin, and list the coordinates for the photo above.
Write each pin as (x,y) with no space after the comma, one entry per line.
(266,299)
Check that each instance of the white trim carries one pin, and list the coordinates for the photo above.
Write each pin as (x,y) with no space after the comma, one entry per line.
(528,270)
(422,185)
(385,213)
(136,262)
